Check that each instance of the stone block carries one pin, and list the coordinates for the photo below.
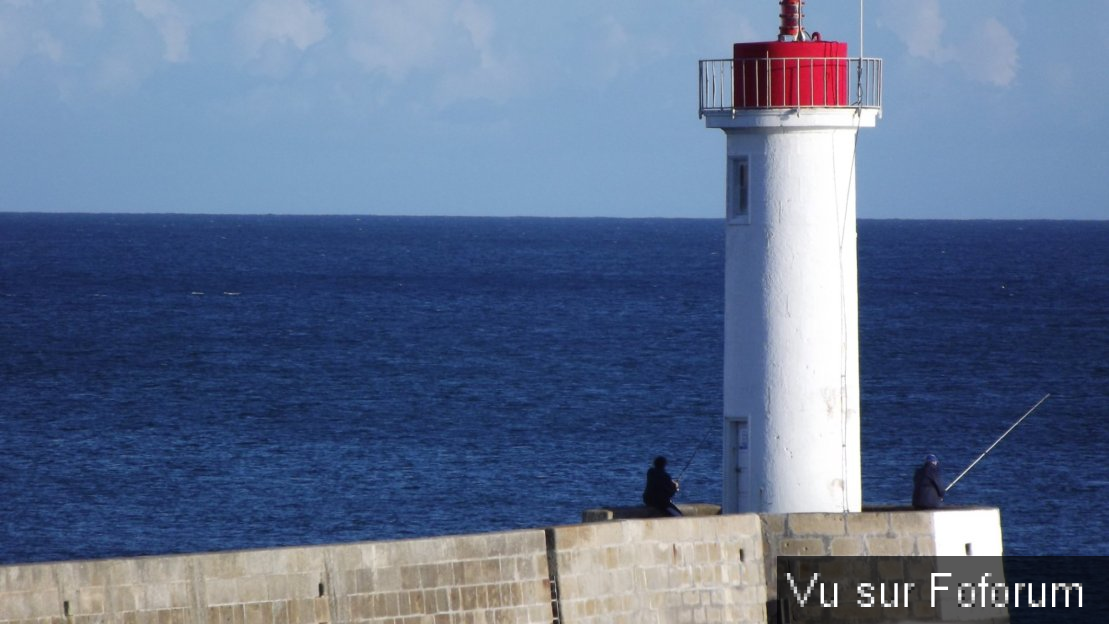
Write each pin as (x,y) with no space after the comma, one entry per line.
(409,577)
(121,599)
(472,573)
(773,527)
(908,545)
(440,600)
(278,587)
(809,547)
(925,546)
(220,591)
(253,613)
(19,605)
(569,538)
(122,571)
(15,579)
(281,612)
(685,529)
(172,616)
(530,569)
(846,547)
(298,612)
(680,576)
(156,570)
(884,546)
(352,608)
(27,605)
(90,600)
(470,547)
(815,524)
(346,557)
(155,596)
(470,598)
(500,595)
(607,534)
(495,545)
(911,522)
(436,575)
(490,571)
(251,589)
(521,542)
(86,573)
(376,604)
(868,523)
(217,566)
(388,580)
(306,560)
(257,562)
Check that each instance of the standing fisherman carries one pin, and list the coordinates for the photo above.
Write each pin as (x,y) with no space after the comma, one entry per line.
(660,489)
(928,490)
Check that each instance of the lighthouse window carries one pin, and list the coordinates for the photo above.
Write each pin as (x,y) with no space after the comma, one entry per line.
(738,188)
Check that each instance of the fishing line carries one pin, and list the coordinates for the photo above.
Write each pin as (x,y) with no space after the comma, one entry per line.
(1013,426)
(695,451)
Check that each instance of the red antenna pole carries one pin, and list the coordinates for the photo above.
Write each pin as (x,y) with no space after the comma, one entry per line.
(791,15)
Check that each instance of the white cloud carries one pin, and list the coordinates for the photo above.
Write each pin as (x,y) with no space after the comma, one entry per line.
(48,46)
(115,74)
(297,22)
(920,26)
(399,37)
(479,23)
(495,77)
(171,24)
(993,56)
(92,15)
(987,51)
(454,41)
(18,30)
(617,50)
(12,46)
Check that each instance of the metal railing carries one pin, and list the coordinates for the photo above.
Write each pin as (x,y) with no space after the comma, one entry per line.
(789,83)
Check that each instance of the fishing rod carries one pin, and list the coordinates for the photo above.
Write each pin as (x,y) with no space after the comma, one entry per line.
(695,451)
(1014,426)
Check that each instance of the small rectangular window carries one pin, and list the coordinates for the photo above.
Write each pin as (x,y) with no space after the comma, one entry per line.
(739,191)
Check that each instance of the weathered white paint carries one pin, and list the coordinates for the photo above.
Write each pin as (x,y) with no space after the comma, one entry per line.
(961,532)
(791,362)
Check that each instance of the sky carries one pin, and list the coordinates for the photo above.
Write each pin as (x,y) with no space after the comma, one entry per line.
(992,109)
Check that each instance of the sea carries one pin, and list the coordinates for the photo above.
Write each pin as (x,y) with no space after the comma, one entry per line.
(185,383)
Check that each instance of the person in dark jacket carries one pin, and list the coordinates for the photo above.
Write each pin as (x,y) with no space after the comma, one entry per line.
(928,490)
(660,489)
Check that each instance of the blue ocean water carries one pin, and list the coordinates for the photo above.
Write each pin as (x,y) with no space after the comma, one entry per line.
(188,383)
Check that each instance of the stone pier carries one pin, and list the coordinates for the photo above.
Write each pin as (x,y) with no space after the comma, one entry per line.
(700,568)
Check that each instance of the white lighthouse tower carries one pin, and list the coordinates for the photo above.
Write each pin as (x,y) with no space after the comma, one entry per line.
(791,110)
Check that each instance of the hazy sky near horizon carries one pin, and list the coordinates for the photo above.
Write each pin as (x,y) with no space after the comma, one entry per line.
(992,109)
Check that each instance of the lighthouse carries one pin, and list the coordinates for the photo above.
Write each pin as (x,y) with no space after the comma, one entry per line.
(791,110)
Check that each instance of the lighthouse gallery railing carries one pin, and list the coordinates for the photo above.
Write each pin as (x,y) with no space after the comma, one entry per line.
(780,75)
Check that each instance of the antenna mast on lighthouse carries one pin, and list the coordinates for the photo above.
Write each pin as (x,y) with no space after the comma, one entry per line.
(791,349)
(791,15)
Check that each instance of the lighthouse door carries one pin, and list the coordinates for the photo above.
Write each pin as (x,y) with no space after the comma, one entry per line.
(737,465)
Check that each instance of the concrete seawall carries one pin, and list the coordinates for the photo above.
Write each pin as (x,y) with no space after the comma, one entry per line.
(694,569)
